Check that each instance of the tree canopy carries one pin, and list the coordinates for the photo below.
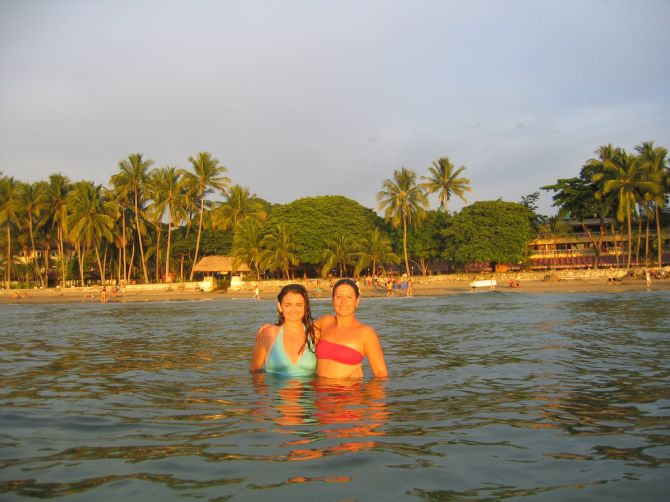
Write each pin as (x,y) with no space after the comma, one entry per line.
(425,242)
(495,231)
(311,221)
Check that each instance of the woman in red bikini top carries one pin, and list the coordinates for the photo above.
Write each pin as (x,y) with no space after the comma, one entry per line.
(344,341)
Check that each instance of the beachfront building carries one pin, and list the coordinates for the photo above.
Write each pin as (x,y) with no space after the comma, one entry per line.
(577,249)
(221,271)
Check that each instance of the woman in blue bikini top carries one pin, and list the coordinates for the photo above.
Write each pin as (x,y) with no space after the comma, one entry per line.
(287,348)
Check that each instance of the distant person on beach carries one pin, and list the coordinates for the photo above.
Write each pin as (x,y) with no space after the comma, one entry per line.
(344,341)
(257,292)
(287,348)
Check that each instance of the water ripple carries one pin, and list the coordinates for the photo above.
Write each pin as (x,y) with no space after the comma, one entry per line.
(492,396)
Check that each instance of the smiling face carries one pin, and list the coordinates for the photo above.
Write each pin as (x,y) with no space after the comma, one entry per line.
(292,306)
(345,300)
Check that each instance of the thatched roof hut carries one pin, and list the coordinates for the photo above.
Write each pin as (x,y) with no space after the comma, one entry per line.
(222,264)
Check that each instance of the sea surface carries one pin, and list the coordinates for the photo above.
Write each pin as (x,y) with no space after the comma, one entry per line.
(492,396)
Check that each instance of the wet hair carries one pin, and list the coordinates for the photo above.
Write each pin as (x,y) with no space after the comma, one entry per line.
(310,337)
(348,282)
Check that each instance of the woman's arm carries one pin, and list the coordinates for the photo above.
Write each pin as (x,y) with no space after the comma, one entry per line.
(258,356)
(375,355)
(260,351)
(259,333)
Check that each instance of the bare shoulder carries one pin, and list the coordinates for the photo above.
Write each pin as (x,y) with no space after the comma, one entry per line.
(324,321)
(368,332)
(267,333)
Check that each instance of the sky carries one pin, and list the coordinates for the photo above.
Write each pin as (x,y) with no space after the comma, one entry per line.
(299,98)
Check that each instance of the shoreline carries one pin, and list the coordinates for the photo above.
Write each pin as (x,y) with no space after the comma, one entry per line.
(424,286)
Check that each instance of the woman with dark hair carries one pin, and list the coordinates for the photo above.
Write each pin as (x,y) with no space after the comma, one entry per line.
(344,341)
(287,348)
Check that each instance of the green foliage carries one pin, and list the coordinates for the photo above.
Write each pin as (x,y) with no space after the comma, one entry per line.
(575,197)
(444,179)
(425,241)
(311,221)
(213,242)
(338,253)
(530,201)
(494,231)
(279,250)
(373,251)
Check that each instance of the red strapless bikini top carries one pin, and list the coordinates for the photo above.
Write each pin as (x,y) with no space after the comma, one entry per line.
(336,352)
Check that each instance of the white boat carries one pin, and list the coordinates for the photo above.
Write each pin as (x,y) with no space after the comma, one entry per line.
(483,283)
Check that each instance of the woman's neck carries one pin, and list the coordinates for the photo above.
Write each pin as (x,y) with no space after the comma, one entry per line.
(294,325)
(346,321)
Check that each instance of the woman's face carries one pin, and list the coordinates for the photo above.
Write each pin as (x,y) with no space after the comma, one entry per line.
(345,300)
(292,306)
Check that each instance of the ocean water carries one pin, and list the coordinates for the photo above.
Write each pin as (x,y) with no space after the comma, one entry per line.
(492,396)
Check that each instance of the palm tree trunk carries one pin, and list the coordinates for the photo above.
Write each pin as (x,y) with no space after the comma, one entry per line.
(404,243)
(61,252)
(119,264)
(639,240)
(125,245)
(104,264)
(132,260)
(167,250)
(34,254)
(646,244)
(197,241)
(630,239)
(9,256)
(659,237)
(81,265)
(100,267)
(139,238)
(616,250)
(157,272)
(601,236)
(47,252)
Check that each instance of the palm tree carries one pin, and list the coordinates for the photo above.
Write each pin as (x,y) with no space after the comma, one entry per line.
(607,201)
(207,176)
(59,186)
(338,251)
(374,248)
(169,196)
(90,221)
(121,198)
(621,175)
(239,204)
(279,250)
(34,211)
(131,180)
(653,160)
(9,216)
(445,181)
(247,245)
(403,201)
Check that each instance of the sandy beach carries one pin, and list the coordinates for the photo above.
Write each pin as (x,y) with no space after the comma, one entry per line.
(558,282)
